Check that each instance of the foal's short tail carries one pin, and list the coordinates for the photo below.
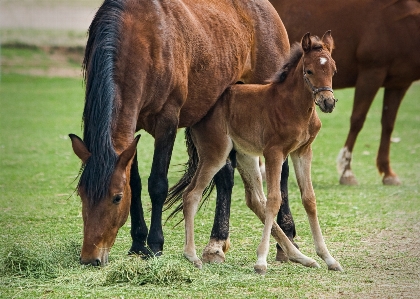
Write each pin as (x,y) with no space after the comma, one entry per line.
(176,191)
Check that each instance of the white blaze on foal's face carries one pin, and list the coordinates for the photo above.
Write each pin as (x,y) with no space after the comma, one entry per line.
(322,60)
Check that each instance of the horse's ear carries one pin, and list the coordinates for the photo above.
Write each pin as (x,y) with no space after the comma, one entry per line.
(128,153)
(79,148)
(328,40)
(306,42)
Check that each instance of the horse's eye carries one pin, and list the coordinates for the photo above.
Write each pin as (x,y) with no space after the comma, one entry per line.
(117,199)
(309,72)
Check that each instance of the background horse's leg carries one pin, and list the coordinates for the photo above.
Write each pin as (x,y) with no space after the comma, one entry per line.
(158,182)
(219,238)
(392,101)
(284,217)
(302,164)
(138,225)
(368,83)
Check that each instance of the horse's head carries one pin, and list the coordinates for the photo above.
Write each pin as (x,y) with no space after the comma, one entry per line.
(104,214)
(319,69)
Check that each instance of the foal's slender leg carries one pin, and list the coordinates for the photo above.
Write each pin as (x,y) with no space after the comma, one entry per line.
(255,199)
(392,101)
(165,133)
(302,164)
(138,225)
(284,217)
(219,238)
(368,83)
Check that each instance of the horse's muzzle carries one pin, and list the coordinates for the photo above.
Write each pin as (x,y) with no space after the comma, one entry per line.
(326,104)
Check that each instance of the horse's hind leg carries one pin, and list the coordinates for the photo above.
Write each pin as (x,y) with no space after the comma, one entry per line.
(213,152)
(219,244)
(138,225)
(302,164)
(284,217)
(368,83)
(392,101)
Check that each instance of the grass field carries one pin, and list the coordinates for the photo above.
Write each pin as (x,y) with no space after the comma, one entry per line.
(373,230)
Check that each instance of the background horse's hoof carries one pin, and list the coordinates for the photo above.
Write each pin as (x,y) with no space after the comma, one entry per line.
(391,181)
(335,267)
(260,269)
(349,180)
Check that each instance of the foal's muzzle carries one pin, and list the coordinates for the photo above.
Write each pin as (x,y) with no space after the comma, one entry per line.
(326,104)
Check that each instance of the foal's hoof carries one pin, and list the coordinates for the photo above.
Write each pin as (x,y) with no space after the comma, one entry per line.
(391,181)
(260,269)
(198,264)
(336,267)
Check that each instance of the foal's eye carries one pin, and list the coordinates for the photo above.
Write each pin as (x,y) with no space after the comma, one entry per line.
(309,72)
(117,199)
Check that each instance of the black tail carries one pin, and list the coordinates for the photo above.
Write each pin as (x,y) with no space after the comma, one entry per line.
(176,191)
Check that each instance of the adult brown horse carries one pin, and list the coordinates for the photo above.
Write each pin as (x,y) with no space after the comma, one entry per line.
(378,44)
(273,120)
(159,66)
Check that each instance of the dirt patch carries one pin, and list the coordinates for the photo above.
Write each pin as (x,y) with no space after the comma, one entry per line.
(50,61)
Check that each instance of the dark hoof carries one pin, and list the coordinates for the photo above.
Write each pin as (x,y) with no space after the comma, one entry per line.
(281,256)
(143,251)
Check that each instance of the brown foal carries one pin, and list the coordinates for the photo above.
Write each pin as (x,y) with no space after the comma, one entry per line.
(273,120)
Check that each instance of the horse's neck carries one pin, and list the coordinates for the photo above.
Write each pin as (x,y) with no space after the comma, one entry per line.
(295,92)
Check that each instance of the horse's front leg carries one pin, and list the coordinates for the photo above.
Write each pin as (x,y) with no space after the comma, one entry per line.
(274,160)
(138,225)
(284,217)
(302,163)
(165,133)
(255,200)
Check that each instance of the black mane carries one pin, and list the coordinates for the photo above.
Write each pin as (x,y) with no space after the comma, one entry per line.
(98,65)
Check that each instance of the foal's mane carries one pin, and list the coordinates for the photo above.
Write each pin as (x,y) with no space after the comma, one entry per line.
(293,59)
(98,66)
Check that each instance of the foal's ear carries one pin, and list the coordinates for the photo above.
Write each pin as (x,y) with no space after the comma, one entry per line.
(306,42)
(79,148)
(128,153)
(328,40)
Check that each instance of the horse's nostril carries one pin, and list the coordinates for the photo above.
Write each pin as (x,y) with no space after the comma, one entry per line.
(97,262)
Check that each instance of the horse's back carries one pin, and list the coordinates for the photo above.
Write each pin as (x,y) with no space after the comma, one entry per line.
(187,52)
(367,34)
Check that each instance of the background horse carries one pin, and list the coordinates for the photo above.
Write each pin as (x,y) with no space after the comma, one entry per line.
(273,120)
(378,44)
(159,66)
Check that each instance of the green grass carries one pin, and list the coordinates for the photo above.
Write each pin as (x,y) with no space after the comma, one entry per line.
(371,229)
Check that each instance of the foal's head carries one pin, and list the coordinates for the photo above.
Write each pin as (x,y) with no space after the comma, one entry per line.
(319,68)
